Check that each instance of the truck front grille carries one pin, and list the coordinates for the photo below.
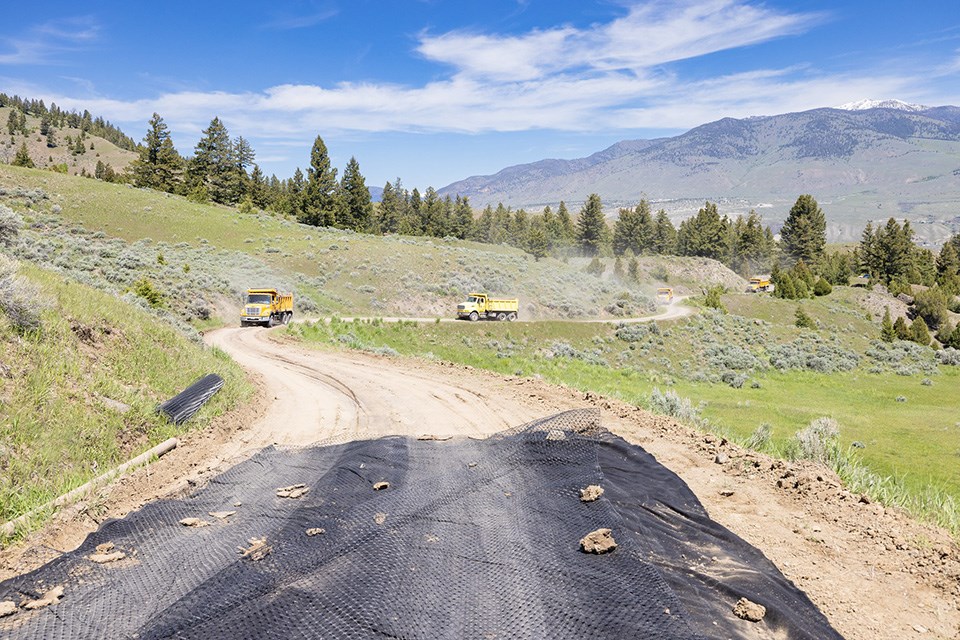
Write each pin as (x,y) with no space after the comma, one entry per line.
(253,311)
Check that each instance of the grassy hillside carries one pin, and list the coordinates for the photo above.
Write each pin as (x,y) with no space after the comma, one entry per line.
(44,157)
(78,393)
(99,231)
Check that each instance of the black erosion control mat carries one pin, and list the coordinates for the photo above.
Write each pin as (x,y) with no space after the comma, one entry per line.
(185,404)
(468,539)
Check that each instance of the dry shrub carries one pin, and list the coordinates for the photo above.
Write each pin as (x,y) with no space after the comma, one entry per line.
(20,299)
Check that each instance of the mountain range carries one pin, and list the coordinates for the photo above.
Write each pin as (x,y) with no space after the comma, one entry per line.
(863,161)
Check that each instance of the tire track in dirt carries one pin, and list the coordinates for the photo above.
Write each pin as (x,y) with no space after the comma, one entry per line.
(314,390)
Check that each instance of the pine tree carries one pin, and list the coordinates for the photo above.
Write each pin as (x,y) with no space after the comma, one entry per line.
(804,234)
(388,213)
(502,217)
(618,268)
(901,329)
(355,206)
(784,286)
(411,222)
(633,230)
(484,225)
(749,244)
(243,153)
(704,235)
(568,232)
(294,190)
(633,269)
(214,166)
(596,267)
(822,287)
(462,223)
(803,320)
(919,332)
(948,268)
(664,235)
(319,203)
(158,165)
(887,333)
(518,228)
(954,338)
(894,252)
(13,122)
(537,239)
(22,159)
(590,226)
(51,138)
(259,191)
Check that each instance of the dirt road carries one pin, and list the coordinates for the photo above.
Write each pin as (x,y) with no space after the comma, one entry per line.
(873,572)
(333,396)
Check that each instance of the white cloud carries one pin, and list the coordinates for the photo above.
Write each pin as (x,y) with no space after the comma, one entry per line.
(47,43)
(606,77)
(648,35)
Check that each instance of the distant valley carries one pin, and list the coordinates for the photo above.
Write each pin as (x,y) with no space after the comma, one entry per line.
(864,161)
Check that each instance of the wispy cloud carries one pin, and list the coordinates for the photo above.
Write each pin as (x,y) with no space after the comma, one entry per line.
(648,35)
(606,77)
(300,15)
(47,43)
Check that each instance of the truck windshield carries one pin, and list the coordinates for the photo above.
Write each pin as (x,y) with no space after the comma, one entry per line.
(473,299)
(258,298)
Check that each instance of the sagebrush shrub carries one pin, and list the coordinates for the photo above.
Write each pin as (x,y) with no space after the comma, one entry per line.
(669,403)
(820,441)
(20,299)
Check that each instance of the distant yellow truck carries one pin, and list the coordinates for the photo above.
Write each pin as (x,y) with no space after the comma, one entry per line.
(759,284)
(267,307)
(665,294)
(479,306)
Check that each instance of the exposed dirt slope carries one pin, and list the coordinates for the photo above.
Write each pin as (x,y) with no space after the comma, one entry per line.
(873,572)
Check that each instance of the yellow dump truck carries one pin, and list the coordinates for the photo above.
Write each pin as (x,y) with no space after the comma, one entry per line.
(479,306)
(268,307)
(665,294)
(759,284)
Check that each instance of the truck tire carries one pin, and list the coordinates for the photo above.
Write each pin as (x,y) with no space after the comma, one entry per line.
(474,316)
(512,316)
(272,322)
(501,316)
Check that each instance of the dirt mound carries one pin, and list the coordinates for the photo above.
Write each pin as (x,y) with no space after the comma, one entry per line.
(690,274)
(877,302)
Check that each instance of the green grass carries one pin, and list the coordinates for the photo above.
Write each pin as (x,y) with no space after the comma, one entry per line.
(911,448)
(56,430)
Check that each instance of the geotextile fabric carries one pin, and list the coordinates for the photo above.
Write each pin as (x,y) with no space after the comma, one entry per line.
(469,539)
(185,404)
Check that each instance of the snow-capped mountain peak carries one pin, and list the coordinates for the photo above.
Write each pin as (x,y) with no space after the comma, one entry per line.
(862,105)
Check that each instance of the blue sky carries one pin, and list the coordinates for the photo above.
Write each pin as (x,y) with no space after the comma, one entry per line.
(433,91)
